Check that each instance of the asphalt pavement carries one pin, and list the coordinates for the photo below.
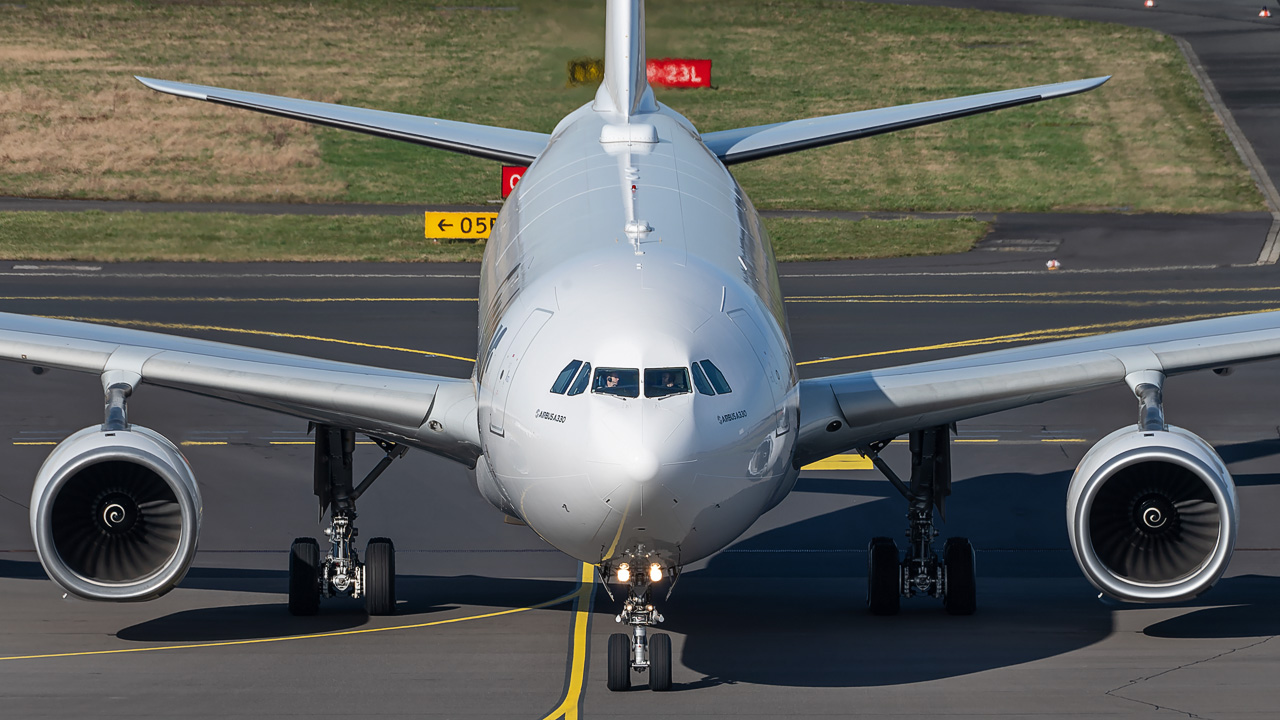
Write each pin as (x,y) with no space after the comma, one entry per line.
(774,625)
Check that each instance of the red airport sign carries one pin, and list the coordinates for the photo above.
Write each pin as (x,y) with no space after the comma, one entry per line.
(510,176)
(679,72)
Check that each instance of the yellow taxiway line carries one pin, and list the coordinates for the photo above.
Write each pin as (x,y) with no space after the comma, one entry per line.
(1060,333)
(576,675)
(588,574)
(244,331)
(850,461)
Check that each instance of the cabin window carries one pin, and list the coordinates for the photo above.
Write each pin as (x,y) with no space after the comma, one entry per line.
(716,377)
(565,377)
(584,377)
(661,382)
(622,382)
(700,381)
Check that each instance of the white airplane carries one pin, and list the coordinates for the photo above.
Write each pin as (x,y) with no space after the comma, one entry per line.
(635,400)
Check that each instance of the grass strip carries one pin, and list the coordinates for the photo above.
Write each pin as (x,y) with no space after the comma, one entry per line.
(224,237)
(807,239)
(74,123)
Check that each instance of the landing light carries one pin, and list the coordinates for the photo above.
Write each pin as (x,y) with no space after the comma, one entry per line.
(624,573)
(1149,3)
(1264,13)
(655,572)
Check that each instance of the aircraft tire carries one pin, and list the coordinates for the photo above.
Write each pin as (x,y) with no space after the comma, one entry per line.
(619,662)
(962,587)
(883,577)
(304,576)
(380,577)
(660,662)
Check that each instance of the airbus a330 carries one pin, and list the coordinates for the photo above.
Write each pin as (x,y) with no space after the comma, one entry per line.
(639,446)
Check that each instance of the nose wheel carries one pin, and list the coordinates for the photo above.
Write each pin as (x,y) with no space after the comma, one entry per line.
(639,651)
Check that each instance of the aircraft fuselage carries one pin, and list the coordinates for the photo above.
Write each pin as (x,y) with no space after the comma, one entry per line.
(633,256)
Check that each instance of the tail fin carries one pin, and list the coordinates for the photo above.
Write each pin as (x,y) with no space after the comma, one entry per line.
(625,90)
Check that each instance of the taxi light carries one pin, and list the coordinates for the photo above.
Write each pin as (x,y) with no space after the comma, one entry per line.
(655,572)
(624,573)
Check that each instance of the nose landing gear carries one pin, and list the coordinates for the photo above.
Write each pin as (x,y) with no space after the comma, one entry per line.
(341,571)
(920,571)
(640,651)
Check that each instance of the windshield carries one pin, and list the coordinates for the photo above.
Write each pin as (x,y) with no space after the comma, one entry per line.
(622,382)
(661,382)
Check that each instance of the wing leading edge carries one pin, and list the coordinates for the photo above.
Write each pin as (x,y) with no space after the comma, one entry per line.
(433,413)
(762,141)
(518,147)
(881,404)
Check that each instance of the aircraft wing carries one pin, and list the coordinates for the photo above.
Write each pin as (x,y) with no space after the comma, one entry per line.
(762,141)
(436,414)
(518,147)
(883,404)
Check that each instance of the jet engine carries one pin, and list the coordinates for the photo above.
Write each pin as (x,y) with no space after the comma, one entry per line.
(1152,515)
(116,514)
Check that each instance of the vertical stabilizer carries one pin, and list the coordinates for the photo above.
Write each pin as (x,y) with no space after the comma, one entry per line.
(625,90)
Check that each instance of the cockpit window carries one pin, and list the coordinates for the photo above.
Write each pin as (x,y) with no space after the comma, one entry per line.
(623,382)
(584,377)
(661,382)
(565,377)
(716,377)
(700,381)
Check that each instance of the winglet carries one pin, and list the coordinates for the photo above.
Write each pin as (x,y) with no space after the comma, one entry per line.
(625,90)
(172,88)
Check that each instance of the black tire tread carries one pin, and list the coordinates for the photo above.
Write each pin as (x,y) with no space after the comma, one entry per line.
(660,662)
(961,597)
(619,662)
(304,574)
(380,576)
(883,574)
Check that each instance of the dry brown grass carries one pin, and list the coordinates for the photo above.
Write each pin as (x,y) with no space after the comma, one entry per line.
(73,122)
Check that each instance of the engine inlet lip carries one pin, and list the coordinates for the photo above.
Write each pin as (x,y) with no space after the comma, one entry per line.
(141,588)
(1182,588)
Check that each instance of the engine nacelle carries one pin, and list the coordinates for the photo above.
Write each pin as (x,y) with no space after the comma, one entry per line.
(116,514)
(1152,515)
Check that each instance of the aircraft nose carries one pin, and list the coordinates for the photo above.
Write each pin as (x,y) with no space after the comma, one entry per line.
(642,466)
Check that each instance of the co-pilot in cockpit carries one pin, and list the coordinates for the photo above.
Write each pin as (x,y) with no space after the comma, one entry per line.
(625,382)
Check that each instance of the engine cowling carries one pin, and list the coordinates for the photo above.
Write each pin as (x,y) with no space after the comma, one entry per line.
(116,514)
(1152,515)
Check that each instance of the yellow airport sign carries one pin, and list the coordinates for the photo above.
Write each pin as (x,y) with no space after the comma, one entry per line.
(459,225)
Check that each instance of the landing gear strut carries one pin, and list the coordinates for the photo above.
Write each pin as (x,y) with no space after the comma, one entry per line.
(341,572)
(920,571)
(640,651)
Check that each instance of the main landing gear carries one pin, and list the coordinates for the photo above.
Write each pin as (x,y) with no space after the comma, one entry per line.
(640,651)
(920,571)
(341,571)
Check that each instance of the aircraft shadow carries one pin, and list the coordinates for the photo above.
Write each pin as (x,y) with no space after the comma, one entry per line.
(816,632)
(1242,607)
(419,596)
(242,622)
